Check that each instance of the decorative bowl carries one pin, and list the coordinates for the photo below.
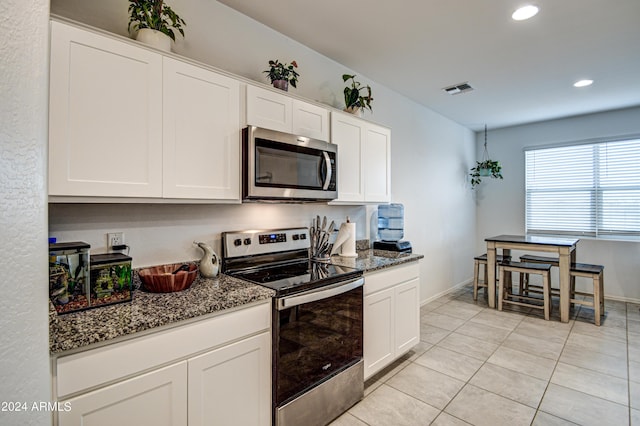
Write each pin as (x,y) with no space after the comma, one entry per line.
(165,279)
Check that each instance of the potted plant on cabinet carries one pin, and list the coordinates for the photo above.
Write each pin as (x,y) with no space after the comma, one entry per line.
(354,101)
(155,22)
(281,75)
(486,167)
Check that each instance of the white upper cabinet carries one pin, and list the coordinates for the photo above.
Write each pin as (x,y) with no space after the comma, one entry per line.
(278,111)
(348,133)
(105,116)
(310,120)
(129,122)
(376,161)
(269,110)
(364,160)
(201,133)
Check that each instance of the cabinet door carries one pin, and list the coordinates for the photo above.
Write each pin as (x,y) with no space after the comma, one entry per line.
(269,109)
(377,164)
(201,133)
(310,120)
(105,112)
(379,326)
(232,385)
(407,308)
(158,398)
(348,133)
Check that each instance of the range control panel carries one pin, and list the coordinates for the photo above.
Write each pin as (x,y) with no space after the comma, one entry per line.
(249,243)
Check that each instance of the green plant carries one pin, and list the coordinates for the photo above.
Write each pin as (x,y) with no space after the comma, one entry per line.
(486,168)
(280,71)
(156,15)
(352,96)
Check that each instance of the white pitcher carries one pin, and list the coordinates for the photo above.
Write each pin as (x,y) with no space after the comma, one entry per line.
(210,262)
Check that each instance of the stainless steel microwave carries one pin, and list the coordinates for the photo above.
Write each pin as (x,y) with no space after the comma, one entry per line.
(283,167)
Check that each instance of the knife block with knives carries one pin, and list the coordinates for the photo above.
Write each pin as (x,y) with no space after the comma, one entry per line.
(319,234)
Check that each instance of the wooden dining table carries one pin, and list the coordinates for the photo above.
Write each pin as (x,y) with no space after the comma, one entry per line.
(565,248)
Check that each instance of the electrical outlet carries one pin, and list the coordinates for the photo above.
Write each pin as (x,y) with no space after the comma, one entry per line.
(114,239)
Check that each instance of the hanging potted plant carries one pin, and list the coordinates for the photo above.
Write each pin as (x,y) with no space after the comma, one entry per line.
(486,167)
(354,101)
(281,75)
(154,22)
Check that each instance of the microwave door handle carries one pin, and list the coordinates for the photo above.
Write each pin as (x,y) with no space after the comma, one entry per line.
(327,162)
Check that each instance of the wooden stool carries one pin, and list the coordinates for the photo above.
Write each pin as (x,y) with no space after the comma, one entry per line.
(482,260)
(596,273)
(543,269)
(525,287)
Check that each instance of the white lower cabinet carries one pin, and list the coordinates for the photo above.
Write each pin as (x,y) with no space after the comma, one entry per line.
(231,385)
(170,378)
(391,315)
(158,398)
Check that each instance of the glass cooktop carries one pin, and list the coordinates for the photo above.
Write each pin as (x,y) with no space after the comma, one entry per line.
(298,276)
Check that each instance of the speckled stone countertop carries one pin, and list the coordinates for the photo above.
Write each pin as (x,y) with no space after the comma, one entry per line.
(147,311)
(373,260)
(150,310)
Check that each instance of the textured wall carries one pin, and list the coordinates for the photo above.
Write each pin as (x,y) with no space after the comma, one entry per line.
(24,355)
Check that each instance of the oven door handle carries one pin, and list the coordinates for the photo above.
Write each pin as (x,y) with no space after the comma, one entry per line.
(324,293)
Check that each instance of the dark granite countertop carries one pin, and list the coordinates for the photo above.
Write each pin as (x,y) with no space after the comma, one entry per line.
(147,311)
(373,260)
(150,310)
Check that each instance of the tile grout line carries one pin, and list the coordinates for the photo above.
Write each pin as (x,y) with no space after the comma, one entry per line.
(554,369)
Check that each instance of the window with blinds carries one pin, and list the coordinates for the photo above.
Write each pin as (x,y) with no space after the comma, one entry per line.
(584,190)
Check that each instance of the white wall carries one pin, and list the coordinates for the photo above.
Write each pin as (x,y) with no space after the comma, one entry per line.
(430,154)
(501,203)
(24,354)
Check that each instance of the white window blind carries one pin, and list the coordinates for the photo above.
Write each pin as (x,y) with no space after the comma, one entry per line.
(584,190)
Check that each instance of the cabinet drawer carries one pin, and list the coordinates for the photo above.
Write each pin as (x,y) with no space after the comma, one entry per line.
(380,280)
(113,362)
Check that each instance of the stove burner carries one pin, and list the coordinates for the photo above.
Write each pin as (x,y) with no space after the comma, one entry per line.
(275,277)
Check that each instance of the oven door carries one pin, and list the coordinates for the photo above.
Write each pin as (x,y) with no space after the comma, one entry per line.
(282,166)
(317,335)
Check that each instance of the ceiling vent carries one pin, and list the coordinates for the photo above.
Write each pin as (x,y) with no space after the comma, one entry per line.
(458,88)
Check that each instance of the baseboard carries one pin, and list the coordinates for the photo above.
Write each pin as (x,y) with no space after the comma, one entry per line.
(622,299)
(465,283)
(447,291)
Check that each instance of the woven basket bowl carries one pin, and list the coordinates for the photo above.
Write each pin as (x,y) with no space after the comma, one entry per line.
(161,279)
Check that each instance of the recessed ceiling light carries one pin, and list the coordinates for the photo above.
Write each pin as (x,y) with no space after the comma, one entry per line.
(583,83)
(525,12)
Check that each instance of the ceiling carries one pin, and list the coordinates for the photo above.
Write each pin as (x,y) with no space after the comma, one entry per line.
(521,72)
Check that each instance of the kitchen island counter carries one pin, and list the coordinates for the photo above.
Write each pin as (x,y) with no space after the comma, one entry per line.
(150,312)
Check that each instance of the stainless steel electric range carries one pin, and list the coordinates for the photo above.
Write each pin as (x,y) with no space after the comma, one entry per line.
(317,367)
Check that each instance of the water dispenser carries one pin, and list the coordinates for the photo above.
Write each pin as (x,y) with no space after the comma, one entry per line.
(391,228)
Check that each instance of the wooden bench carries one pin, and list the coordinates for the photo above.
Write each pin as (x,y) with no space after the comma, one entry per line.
(596,274)
(482,260)
(504,296)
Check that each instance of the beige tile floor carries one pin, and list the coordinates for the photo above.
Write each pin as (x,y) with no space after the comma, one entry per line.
(475,365)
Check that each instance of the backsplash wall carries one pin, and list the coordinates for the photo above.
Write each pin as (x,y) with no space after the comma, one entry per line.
(164,233)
